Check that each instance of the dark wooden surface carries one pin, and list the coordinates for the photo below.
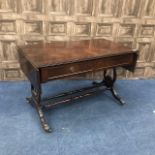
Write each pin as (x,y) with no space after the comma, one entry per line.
(54,53)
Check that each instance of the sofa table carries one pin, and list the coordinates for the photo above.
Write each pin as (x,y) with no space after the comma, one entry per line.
(63,59)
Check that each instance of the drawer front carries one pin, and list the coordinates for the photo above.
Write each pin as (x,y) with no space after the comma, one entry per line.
(59,71)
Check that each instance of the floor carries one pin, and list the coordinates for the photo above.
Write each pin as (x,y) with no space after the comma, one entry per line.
(95,125)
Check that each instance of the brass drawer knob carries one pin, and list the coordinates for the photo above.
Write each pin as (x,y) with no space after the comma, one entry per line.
(72,69)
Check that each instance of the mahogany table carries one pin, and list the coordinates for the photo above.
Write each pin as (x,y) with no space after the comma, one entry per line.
(49,61)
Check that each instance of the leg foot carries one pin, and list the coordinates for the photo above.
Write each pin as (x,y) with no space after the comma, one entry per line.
(43,121)
(36,100)
(117,97)
(109,82)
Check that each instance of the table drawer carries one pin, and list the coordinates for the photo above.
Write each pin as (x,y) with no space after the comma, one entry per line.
(64,70)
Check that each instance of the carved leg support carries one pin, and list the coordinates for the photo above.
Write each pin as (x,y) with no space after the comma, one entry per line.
(36,99)
(109,82)
(43,121)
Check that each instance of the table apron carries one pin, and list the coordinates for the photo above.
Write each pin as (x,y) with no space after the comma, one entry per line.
(71,69)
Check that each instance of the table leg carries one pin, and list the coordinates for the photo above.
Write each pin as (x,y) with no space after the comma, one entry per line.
(36,98)
(109,81)
(116,96)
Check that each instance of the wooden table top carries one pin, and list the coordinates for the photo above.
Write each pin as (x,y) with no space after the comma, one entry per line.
(55,53)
